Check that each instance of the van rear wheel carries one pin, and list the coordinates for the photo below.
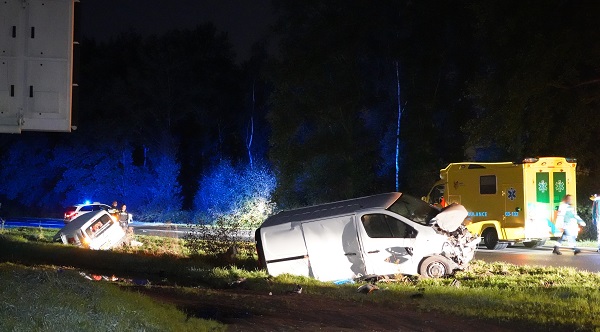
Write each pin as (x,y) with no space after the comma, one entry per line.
(490,237)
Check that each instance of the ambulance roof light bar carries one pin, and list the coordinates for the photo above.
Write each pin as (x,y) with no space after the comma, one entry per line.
(530,160)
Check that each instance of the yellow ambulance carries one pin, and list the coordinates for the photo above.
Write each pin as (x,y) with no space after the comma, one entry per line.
(508,202)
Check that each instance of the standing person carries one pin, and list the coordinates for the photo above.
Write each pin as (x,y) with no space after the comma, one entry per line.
(115,207)
(114,210)
(124,217)
(568,220)
(596,215)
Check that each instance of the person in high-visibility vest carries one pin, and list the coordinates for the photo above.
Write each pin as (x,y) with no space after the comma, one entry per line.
(568,220)
(596,216)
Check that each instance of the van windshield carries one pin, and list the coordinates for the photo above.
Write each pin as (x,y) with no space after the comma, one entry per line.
(414,209)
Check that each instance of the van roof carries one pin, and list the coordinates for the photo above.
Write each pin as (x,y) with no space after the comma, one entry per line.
(382,201)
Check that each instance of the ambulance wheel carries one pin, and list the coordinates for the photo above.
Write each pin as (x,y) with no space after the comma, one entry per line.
(490,237)
(534,243)
(434,267)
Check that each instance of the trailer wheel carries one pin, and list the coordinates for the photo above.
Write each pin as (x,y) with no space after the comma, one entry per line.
(490,237)
(534,243)
(434,267)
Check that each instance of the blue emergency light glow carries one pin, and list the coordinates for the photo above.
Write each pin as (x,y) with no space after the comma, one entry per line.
(87,202)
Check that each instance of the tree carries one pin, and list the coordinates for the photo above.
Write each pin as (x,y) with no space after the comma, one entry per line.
(241,195)
(334,108)
(230,199)
(322,106)
(178,92)
(26,178)
(537,91)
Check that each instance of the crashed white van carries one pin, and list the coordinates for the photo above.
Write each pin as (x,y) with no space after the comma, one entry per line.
(93,230)
(385,234)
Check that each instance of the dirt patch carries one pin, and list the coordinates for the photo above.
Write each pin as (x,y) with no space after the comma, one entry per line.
(251,311)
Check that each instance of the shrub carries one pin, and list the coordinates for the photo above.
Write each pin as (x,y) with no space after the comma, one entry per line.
(230,201)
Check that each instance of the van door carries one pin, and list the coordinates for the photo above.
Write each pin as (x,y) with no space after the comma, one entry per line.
(559,188)
(387,244)
(542,196)
(333,250)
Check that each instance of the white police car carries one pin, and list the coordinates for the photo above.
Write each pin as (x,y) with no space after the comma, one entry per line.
(75,211)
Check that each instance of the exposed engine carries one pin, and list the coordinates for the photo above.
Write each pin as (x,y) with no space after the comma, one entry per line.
(460,246)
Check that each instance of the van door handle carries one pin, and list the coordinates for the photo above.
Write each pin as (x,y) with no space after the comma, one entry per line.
(373,252)
(350,254)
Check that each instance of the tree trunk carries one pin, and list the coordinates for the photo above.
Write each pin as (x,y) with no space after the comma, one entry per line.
(398,126)
(250,131)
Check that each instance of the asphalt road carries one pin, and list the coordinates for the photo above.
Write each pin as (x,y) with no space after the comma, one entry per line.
(588,260)
(165,230)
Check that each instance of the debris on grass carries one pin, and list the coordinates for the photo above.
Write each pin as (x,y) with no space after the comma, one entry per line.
(367,288)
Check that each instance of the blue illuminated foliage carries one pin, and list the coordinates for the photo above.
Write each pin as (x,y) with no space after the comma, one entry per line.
(242,193)
(26,177)
(50,178)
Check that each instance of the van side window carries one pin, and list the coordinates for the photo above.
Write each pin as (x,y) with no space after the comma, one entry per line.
(384,226)
(487,185)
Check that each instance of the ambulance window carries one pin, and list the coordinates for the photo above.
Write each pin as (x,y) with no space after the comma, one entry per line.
(437,193)
(384,226)
(487,185)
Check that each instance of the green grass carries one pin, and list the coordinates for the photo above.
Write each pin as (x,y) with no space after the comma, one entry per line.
(560,299)
(580,243)
(49,299)
(153,264)
(37,234)
(540,297)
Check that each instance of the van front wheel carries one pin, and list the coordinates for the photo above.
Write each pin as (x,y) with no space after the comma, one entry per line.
(490,237)
(434,267)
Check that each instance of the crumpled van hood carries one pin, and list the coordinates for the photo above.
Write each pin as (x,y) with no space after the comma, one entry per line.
(451,217)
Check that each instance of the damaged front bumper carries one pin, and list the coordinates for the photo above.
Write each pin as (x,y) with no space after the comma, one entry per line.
(460,247)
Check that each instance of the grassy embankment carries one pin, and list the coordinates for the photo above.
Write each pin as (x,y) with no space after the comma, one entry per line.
(541,298)
(50,299)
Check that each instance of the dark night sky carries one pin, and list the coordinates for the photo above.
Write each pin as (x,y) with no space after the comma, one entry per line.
(245,21)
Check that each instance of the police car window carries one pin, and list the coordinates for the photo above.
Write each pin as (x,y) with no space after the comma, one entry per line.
(86,208)
(96,208)
(384,226)
(487,185)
